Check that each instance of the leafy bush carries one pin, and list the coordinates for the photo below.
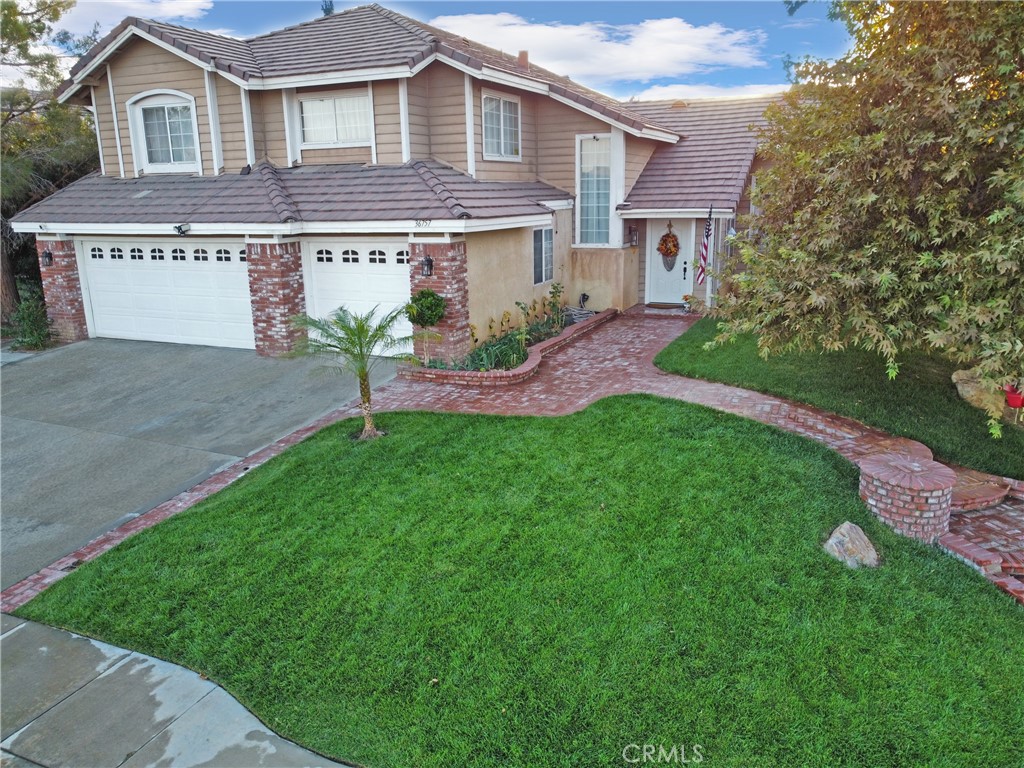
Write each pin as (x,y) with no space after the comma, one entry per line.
(31,325)
(426,309)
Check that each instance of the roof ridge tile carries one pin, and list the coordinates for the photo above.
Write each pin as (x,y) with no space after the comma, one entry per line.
(438,187)
(278,194)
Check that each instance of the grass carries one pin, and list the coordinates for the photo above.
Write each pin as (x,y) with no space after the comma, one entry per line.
(921,403)
(488,591)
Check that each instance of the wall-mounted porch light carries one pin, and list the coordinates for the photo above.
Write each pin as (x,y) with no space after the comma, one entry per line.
(47,258)
(427,266)
(634,235)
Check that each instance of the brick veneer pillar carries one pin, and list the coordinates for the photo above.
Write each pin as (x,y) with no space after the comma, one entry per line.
(450,280)
(911,494)
(62,289)
(277,292)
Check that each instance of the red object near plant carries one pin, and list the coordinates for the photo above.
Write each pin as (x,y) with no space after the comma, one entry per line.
(1014,397)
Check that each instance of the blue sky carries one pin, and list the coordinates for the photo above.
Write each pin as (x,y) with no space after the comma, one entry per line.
(644,49)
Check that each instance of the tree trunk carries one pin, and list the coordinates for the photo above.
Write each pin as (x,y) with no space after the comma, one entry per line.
(370,431)
(9,298)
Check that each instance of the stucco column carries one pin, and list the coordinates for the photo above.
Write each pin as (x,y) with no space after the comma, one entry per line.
(277,292)
(62,289)
(450,280)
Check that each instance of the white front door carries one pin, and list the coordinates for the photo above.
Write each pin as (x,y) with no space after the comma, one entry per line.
(668,281)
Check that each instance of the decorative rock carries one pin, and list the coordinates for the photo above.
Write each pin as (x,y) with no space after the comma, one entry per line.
(970,388)
(849,544)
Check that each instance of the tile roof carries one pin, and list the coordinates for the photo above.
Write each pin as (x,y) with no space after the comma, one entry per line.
(268,195)
(709,165)
(365,37)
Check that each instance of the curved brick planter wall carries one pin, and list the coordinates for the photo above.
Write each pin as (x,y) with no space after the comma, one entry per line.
(516,375)
(913,495)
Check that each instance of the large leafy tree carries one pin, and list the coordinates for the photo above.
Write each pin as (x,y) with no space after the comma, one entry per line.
(43,145)
(892,211)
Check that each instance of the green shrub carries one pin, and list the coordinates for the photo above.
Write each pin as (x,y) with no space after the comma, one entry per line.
(426,309)
(31,325)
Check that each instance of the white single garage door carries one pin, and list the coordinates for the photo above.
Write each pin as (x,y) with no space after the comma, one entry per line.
(182,291)
(358,274)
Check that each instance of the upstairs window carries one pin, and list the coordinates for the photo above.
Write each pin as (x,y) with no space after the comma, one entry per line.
(501,127)
(165,136)
(336,122)
(594,179)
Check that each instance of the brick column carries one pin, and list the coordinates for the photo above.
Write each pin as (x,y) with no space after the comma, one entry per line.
(911,495)
(62,289)
(450,280)
(277,292)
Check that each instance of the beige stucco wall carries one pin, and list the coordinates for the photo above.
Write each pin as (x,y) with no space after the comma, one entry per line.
(609,275)
(142,66)
(500,271)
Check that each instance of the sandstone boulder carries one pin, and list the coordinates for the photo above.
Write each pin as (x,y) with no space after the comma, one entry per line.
(849,544)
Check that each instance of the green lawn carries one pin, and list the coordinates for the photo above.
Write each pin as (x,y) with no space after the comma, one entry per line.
(921,403)
(486,591)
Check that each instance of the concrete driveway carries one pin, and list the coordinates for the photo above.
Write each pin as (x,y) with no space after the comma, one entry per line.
(98,432)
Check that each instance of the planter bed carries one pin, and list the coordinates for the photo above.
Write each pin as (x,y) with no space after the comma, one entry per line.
(516,375)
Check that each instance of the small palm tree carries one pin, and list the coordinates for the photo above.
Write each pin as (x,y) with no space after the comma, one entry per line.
(356,344)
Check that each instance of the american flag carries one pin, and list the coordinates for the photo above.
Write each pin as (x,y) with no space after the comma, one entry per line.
(703,265)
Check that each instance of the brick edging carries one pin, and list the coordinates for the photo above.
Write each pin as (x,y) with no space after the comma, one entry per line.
(516,375)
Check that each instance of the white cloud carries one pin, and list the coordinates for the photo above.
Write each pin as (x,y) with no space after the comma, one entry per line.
(80,19)
(599,54)
(683,91)
(800,24)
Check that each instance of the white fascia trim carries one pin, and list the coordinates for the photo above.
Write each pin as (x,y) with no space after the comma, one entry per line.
(678,213)
(428,227)
(250,149)
(293,148)
(339,78)
(213,115)
(373,126)
(565,204)
(136,32)
(501,77)
(403,118)
(96,127)
(470,125)
(618,183)
(644,133)
(117,125)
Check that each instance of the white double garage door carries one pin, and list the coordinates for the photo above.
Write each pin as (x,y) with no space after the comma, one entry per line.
(189,291)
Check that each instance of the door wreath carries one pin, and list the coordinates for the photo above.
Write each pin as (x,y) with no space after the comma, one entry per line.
(668,247)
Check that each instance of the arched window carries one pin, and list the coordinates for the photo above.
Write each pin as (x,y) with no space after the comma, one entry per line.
(165,136)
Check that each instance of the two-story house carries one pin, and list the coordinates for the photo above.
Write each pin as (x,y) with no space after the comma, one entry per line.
(355,159)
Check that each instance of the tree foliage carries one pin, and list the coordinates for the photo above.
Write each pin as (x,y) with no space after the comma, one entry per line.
(44,145)
(891,214)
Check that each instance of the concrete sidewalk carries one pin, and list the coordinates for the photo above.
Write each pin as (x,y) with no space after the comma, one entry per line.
(71,701)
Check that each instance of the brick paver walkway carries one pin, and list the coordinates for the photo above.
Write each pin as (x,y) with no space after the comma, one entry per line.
(614,359)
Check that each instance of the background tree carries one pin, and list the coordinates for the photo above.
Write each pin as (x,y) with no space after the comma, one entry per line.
(354,343)
(892,211)
(43,145)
